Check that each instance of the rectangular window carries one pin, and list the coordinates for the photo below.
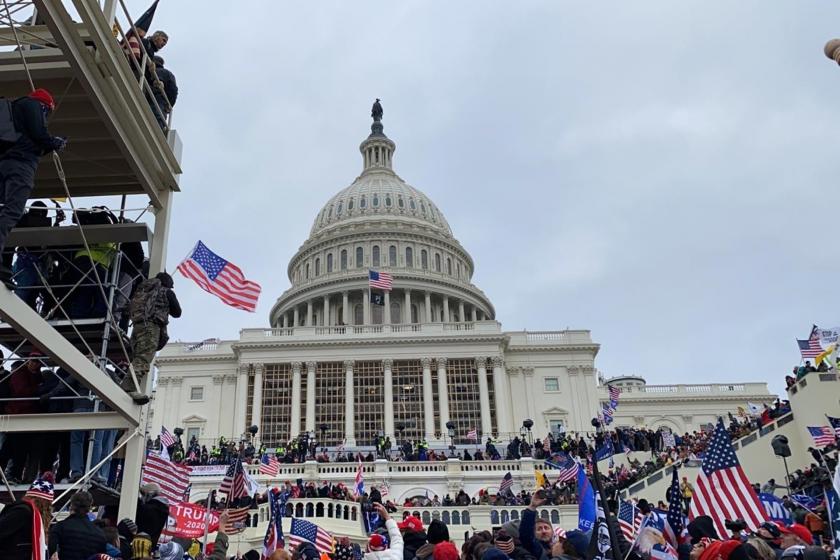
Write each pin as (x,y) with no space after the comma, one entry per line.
(193,433)
(557,426)
(552,384)
(277,404)
(197,393)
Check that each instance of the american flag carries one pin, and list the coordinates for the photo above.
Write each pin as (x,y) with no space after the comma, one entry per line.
(221,278)
(822,435)
(173,479)
(166,437)
(269,465)
(234,482)
(507,484)
(567,467)
(236,520)
(359,486)
(304,531)
(629,519)
(274,532)
(675,515)
(810,348)
(614,392)
(380,280)
(473,434)
(722,490)
(835,423)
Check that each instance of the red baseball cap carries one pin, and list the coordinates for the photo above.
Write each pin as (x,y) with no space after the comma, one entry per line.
(376,542)
(411,523)
(44,97)
(800,531)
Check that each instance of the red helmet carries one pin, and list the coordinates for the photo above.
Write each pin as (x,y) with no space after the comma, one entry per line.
(44,97)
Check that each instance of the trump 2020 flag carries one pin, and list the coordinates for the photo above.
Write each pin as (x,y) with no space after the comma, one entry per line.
(221,278)
(586,502)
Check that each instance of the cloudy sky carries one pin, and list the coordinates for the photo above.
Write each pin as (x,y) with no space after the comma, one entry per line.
(661,173)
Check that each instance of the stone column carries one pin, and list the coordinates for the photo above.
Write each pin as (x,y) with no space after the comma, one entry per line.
(285,321)
(256,401)
(445,309)
(474,316)
(310,396)
(428,396)
(387,364)
(326,311)
(294,427)
(296,316)
(366,306)
(443,395)
(407,313)
(349,405)
(386,313)
(241,397)
(528,378)
(484,396)
(309,313)
(345,305)
(428,317)
(461,317)
(502,393)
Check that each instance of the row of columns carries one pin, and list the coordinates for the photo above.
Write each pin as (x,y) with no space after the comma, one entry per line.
(309,317)
(500,384)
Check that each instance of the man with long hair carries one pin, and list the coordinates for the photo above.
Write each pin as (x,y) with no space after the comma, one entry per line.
(24,524)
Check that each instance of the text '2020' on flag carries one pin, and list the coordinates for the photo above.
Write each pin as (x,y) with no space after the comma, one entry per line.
(220,277)
(722,490)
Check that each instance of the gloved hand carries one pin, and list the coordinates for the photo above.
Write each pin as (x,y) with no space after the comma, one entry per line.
(59,143)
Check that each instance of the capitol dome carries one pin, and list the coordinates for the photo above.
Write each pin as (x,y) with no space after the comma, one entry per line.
(380,223)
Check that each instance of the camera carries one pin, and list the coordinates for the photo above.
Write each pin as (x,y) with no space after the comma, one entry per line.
(735,526)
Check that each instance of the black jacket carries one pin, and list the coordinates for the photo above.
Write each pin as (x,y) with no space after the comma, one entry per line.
(412,540)
(16,532)
(35,141)
(76,538)
(170,86)
(151,517)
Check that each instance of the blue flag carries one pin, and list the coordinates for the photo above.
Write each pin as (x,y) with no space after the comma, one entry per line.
(586,502)
(775,508)
(605,450)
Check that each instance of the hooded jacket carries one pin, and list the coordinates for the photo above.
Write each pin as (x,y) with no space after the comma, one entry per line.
(395,552)
(412,541)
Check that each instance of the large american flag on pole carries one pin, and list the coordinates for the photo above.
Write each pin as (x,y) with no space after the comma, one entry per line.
(810,348)
(304,531)
(221,278)
(233,484)
(566,466)
(380,280)
(629,519)
(822,435)
(173,479)
(166,437)
(722,490)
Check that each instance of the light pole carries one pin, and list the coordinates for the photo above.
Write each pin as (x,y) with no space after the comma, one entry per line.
(450,427)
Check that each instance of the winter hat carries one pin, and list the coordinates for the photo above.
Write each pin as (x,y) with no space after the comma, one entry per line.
(814,553)
(251,555)
(44,97)
(700,527)
(493,553)
(376,542)
(446,551)
(307,551)
(42,488)
(511,529)
(171,551)
(745,552)
(720,549)
(411,523)
(437,532)
(579,542)
(559,534)
(800,531)
(127,527)
(141,547)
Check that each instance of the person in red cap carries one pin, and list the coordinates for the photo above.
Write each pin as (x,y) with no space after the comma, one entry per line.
(796,535)
(24,139)
(378,548)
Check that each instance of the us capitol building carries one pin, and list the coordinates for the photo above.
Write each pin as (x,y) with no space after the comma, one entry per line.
(336,366)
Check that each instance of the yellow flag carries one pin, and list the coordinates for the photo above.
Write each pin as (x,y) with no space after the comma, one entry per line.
(541,480)
(825,354)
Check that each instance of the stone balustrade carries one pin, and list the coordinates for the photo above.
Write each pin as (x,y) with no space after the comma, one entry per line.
(706,389)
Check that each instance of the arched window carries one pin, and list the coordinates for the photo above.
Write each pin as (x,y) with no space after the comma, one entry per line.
(414,318)
(319,510)
(494,517)
(307,271)
(378,315)
(358,314)
(400,201)
(437,262)
(409,257)
(318,266)
(456,517)
(387,201)
(423,207)
(396,316)
(329,263)
(445,518)
(449,266)
(350,204)
(360,257)
(392,255)
(411,204)
(505,516)
(340,320)
(344,259)
(465,517)
(515,514)
(363,201)
(459,270)
(339,208)
(310,510)
(375,256)
(375,200)
(424,259)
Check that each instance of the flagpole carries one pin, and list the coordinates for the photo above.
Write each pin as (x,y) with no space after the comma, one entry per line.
(596,476)
(207,519)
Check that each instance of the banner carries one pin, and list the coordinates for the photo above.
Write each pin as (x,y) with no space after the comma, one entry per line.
(775,508)
(187,520)
(209,470)
(828,336)
(586,502)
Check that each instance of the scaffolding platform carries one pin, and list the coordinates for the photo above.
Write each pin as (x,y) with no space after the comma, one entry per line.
(102,495)
(71,236)
(86,334)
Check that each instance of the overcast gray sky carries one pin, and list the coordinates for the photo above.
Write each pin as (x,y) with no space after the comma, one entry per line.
(661,173)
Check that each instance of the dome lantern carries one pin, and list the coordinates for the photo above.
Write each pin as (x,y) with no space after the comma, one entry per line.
(377,149)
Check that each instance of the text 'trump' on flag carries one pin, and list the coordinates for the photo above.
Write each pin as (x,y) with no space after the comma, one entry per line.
(221,278)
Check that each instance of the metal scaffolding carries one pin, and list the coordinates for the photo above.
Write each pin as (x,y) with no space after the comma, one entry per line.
(117,148)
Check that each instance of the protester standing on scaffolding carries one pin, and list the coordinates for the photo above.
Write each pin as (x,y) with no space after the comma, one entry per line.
(151,306)
(23,140)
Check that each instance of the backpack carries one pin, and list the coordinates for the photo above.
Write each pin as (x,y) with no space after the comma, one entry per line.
(150,303)
(8,133)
